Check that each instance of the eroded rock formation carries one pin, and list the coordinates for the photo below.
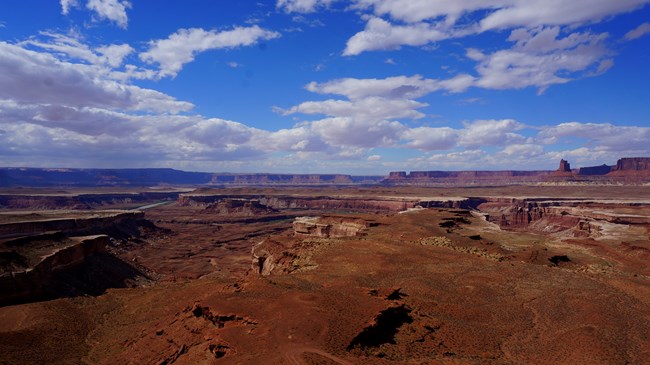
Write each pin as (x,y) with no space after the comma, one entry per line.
(239,207)
(329,227)
(44,257)
(281,201)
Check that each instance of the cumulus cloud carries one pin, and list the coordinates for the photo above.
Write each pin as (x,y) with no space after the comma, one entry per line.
(382,35)
(429,139)
(181,47)
(542,58)
(397,87)
(605,135)
(522,151)
(368,108)
(491,133)
(532,13)
(40,78)
(499,14)
(638,32)
(114,54)
(424,21)
(111,10)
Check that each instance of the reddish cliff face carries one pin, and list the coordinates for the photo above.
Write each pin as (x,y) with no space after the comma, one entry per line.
(460,178)
(564,166)
(239,207)
(595,170)
(397,175)
(632,169)
(633,164)
(281,179)
(361,204)
(329,227)
(564,171)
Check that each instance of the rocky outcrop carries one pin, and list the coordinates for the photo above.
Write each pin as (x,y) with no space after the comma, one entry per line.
(397,175)
(31,282)
(332,203)
(632,170)
(263,259)
(71,223)
(461,178)
(329,227)
(564,171)
(55,254)
(564,166)
(595,170)
(287,179)
(239,207)
(633,164)
(81,201)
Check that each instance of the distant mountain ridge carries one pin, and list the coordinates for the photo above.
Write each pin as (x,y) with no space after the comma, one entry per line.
(626,170)
(46,177)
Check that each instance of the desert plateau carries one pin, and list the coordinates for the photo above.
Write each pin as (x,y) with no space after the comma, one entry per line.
(332,273)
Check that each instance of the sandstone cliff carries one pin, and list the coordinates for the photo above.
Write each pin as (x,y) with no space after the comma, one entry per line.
(329,227)
(45,256)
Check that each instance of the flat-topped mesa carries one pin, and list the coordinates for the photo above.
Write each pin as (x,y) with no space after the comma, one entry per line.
(633,164)
(503,177)
(632,169)
(281,179)
(397,175)
(595,170)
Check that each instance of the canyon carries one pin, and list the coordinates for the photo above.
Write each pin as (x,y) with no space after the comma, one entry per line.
(377,273)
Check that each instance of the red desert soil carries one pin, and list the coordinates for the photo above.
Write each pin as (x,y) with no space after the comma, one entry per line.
(413,289)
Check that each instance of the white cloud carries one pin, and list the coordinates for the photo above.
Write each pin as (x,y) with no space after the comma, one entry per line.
(499,14)
(413,11)
(606,136)
(474,159)
(638,32)
(233,64)
(370,108)
(427,21)
(345,131)
(112,10)
(382,35)
(429,139)
(181,47)
(522,151)
(374,158)
(533,13)
(540,58)
(31,77)
(302,6)
(73,47)
(114,54)
(397,87)
(491,133)
(66,5)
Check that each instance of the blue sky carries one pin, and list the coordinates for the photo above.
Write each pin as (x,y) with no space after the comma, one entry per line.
(324,86)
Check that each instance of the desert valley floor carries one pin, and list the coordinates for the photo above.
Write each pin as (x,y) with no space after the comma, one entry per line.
(351,275)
